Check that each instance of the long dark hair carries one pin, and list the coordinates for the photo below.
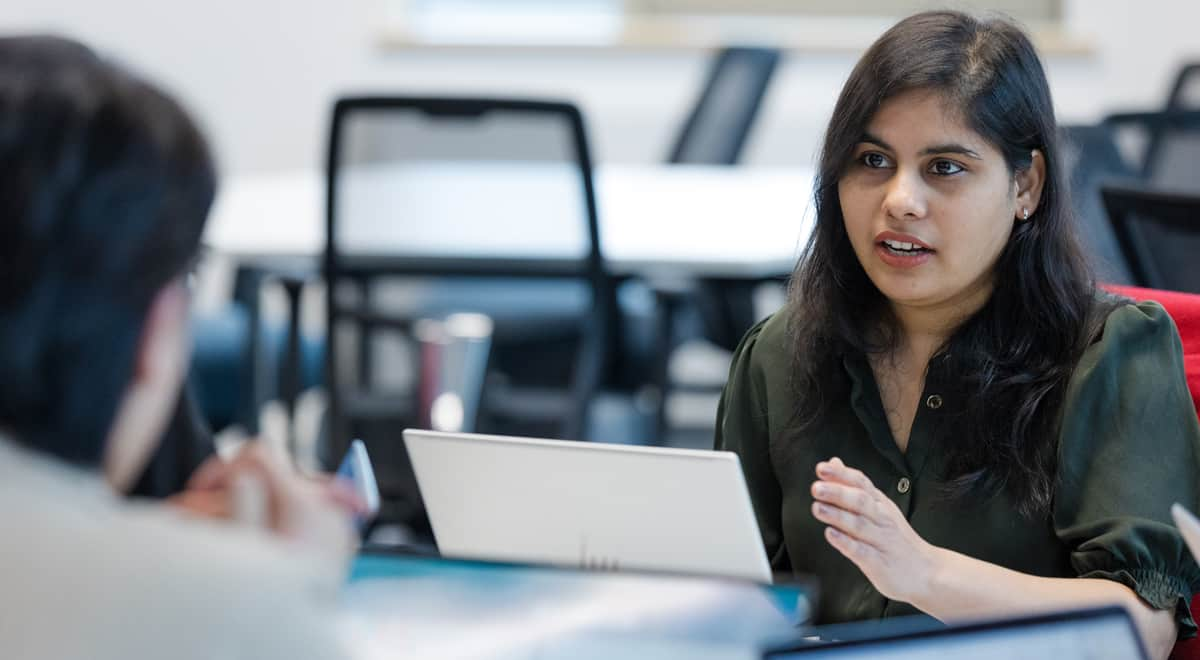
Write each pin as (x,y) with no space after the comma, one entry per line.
(105,183)
(1011,361)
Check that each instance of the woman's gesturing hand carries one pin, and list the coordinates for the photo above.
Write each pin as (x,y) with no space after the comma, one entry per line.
(870,530)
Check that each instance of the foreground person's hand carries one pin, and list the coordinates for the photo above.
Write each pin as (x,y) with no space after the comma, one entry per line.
(260,488)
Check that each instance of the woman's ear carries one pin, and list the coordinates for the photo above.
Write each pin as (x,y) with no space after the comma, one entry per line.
(1029,182)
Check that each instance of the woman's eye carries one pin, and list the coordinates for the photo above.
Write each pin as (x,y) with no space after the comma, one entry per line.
(945,167)
(874,160)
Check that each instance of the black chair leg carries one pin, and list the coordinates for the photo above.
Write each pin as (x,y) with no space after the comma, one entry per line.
(290,385)
(664,341)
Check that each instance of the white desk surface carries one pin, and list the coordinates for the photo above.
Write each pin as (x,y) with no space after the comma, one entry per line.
(658,220)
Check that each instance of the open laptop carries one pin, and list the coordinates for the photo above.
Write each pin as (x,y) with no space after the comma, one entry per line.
(1090,634)
(591,505)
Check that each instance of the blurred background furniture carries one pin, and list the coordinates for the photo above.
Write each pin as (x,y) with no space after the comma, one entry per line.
(1091,159)
(714,310)
(1185,90)
(1163,146)
(720,121)
(649,218)
(1159,235)
(1154,150)
(716,131)
(431,203)
(689,276)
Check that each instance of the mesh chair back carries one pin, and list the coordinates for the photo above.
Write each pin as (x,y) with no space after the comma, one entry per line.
(1174,151)
(1164,145)
(437,206)
(1159,233)
(1185,91)
(485,188)
(719,123)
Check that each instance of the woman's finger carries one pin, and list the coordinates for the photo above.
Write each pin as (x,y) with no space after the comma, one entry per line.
(835,470)
(849,498)
(862,554)
(852,524)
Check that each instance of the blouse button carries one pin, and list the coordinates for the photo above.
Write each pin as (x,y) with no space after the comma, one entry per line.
(903,485)
(933,402)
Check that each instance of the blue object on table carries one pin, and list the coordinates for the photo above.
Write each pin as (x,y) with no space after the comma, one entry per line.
(220,369)
(440,607)
(1086,634)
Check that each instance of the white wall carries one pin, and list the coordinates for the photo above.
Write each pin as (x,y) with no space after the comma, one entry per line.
(260,74)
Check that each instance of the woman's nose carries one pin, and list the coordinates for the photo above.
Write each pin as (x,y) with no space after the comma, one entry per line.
(905,199)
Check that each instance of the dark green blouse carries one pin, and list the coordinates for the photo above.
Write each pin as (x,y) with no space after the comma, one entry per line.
(1129,448)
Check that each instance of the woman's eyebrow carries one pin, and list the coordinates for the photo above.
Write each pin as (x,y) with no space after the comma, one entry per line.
(947,148)
(871,139)
(951,148)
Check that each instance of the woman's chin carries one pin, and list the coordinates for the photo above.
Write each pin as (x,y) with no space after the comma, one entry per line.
(907,293)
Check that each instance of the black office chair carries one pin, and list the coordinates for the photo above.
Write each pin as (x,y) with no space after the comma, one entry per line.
(715,133)
(1173,153)
(442,205)
(1164,146)
(720,121)
(1185,89)
(1159,234)
(1091,159)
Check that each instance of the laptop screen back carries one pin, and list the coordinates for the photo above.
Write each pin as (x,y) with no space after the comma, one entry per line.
(588,504)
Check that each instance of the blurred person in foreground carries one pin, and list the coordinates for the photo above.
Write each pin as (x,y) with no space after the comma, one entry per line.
(104,188)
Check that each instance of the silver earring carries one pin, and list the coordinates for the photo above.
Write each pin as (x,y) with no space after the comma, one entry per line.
(1025,214)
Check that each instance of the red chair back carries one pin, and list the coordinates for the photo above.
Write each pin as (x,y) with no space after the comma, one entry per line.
(1184,309)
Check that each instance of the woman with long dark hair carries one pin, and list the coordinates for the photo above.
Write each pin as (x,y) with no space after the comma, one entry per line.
(948,417)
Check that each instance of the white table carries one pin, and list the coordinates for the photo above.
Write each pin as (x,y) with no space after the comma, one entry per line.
(661,220)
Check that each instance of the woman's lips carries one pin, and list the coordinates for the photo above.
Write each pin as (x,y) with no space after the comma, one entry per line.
(900,260)
(901,250)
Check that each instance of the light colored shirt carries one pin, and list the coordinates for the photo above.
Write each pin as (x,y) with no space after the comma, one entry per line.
(85,573)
